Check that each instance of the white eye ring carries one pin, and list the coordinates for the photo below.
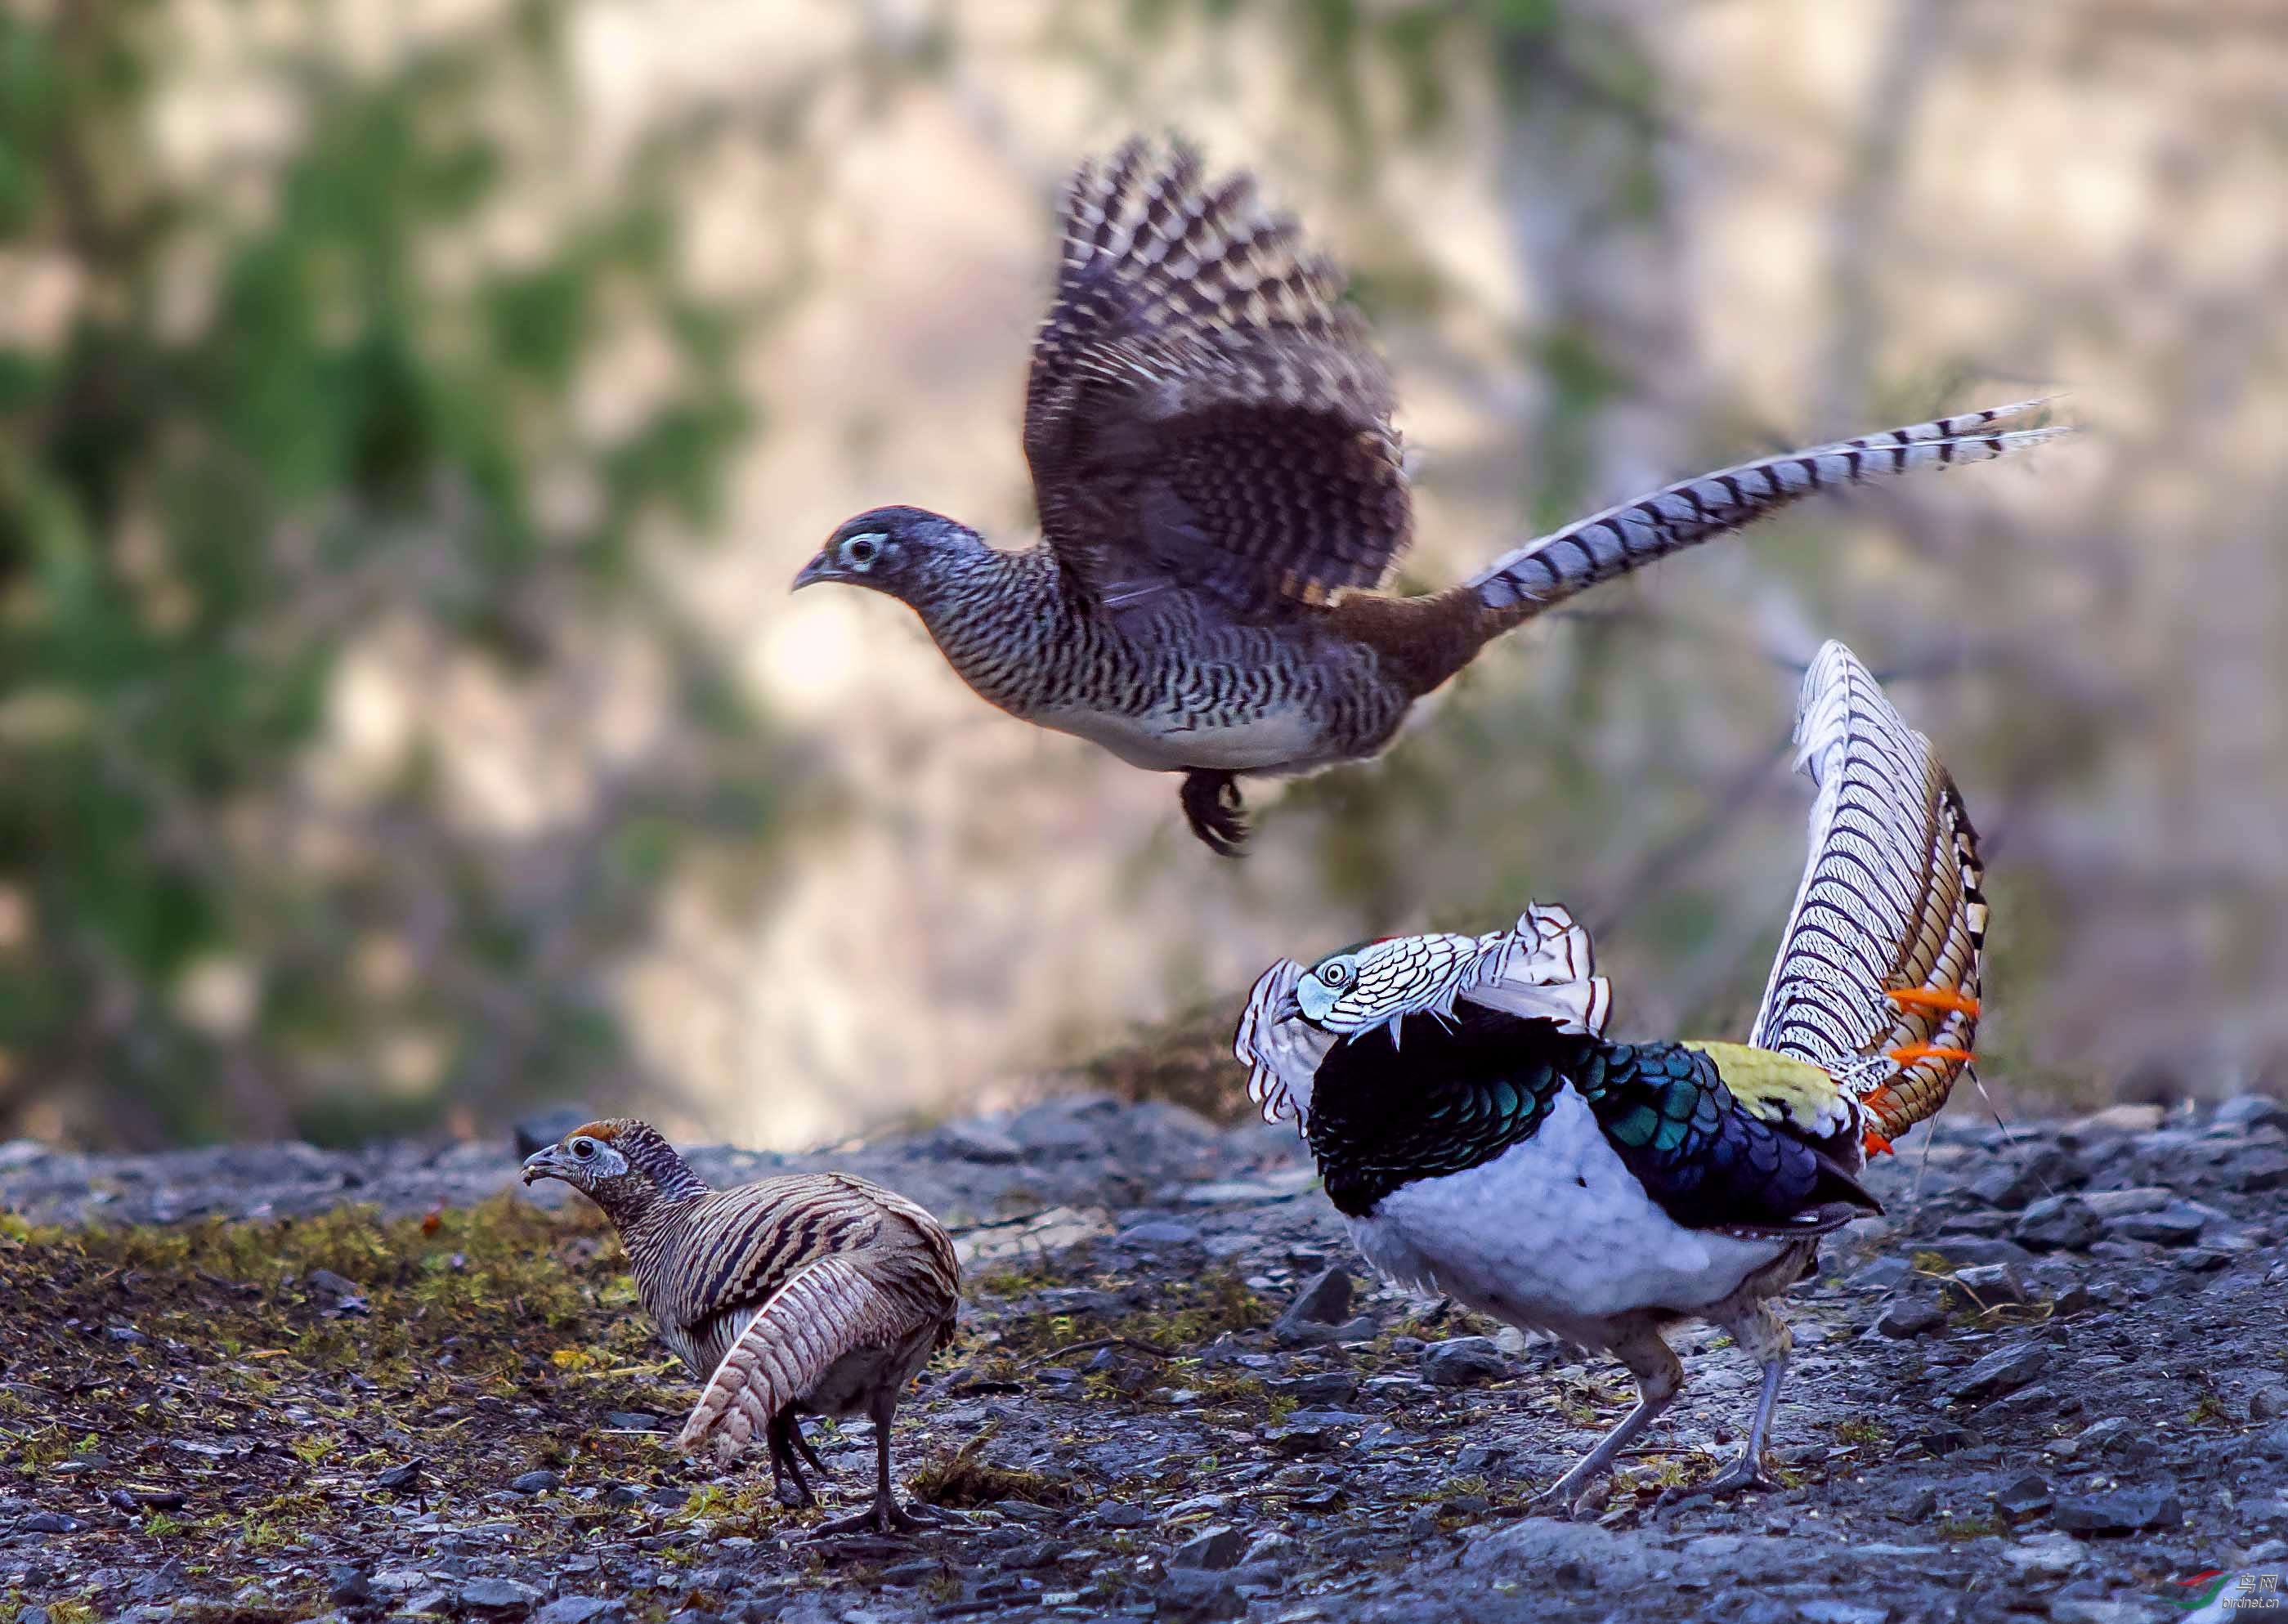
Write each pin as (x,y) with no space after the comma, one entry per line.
(860,550)
(1336,974)
(583,1148)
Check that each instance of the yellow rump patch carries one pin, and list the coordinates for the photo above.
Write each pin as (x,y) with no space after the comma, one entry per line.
(1777,1088)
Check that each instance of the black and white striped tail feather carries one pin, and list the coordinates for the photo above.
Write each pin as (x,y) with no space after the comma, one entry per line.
(1547,571)
(1878,974)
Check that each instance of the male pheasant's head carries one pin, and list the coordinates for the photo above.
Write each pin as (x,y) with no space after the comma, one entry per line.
(622,1165)
(1374,983)
(899,550)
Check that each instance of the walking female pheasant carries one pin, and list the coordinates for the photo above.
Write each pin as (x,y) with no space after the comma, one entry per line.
(1485,1139)
(1221,500)
(818,1294)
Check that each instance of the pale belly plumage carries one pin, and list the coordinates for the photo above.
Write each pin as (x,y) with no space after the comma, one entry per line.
(1553,1234)
(1284,742)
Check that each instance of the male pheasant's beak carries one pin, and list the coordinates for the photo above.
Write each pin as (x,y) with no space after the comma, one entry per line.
(820,568)
(544,1164)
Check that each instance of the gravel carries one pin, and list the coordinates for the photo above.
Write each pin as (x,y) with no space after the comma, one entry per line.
(2043,1382)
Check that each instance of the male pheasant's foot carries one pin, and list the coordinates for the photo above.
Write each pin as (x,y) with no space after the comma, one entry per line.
(1213,808)
(1743,1474)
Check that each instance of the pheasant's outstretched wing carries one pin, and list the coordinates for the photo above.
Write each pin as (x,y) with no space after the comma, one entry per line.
(833,1307)
(1878,973)
(1204,415)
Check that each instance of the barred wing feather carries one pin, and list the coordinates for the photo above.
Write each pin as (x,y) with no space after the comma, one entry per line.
(1879,971)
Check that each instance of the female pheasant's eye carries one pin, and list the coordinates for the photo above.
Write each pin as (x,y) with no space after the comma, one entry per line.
(862,551)
(583,1148)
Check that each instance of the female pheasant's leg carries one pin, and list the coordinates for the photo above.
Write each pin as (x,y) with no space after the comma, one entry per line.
(1659,1379)
(885,1515)
(791,1487)
(1213,808)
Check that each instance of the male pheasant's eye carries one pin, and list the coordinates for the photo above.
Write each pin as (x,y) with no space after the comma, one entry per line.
(1336,975)
(861,552)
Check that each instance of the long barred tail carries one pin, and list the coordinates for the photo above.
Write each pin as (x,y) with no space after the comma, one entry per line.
(1878,973)
(1546,572)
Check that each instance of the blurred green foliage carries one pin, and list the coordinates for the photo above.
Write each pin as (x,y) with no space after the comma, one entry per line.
(197,511)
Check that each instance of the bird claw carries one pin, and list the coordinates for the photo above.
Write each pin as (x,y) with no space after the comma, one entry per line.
(883,1516)
(1214,808)
(1740,1476)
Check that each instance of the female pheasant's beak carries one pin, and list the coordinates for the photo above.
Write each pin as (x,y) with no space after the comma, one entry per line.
(547,1163)
(820,568)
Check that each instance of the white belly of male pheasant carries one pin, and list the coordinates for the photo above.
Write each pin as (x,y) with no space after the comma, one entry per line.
(815,1294)
(1222,502)
(1486,1141)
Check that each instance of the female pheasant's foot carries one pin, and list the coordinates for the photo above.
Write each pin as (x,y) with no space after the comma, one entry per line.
(885,1516)
(1213,808)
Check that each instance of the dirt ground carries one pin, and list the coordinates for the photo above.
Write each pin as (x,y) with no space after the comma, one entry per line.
(273,1384)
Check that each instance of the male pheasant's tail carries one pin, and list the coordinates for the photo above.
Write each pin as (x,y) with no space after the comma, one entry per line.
(1878,974)
(1545,573)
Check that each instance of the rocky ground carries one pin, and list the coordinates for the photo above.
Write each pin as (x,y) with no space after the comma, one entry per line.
(2050,1382)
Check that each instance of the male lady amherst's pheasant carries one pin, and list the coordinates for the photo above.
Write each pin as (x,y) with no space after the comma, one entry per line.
(1221,496)
(1486,1139)
(818,1294)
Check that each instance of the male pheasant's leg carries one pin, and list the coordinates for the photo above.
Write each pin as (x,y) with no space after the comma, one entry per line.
(1213,808)
(1769,1342)
(1659,1379)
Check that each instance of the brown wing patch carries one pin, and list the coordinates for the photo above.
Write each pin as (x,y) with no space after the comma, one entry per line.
(1203,413)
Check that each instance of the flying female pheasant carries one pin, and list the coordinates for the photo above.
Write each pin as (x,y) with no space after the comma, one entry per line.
(1221,500)
(818,1294)
(1485,1139)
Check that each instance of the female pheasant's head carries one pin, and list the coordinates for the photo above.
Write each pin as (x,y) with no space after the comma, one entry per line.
(903,551)
(622,1165)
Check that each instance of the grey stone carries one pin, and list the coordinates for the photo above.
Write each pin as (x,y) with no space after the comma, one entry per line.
(401,1476)
(2024,1500)
(1123,1513)
(2258,1171)
(2178,1223)
(1463,1361)
(979,1142)
(543,1129)
(347,1584)
(2000,1372)
(1159,1232)
(1214,1549)
(633,1421)
(48,1521)
(497,1595)
(2059,1224)
(1316,1318)
(538,1482)
(1828,1610)
(2246,1111)
(1969,1251)
(1984,1285)
(2118,1511)
(2048,1171)
(2137,1198)
(1884,1274)
(2096,1610)
(1910,1317)
(580,1609)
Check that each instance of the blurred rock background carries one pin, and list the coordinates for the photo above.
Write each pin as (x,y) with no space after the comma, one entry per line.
(410,415)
